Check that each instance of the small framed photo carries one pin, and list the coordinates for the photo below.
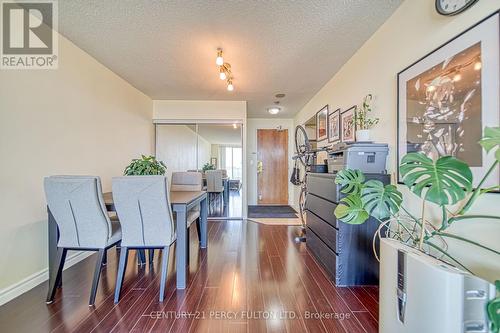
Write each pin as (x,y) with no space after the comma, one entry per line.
(321,124)
(213,161)
(334,126)
(348,125)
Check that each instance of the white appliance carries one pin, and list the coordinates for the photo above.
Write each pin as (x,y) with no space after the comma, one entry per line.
(420,294)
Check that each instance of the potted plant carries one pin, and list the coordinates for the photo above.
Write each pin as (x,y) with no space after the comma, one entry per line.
(208,166)
(363,122)
(146,165)
(445,182)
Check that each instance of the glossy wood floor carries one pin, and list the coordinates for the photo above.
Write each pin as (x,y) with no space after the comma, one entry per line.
(252,278)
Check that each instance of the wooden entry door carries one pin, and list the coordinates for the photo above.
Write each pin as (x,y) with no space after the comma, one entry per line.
(272,167)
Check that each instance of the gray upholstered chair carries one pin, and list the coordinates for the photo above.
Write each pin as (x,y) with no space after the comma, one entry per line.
(189,181)
(78,208)
(143,207)
(215,187)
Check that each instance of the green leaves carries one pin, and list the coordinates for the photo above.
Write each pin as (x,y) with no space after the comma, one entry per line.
(350,180)
(493,310)
(146,165)
(365,199)
(350,210)
(491,140)
(381,201)
(448,179)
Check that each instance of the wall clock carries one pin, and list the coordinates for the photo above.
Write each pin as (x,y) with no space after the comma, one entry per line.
(453,7)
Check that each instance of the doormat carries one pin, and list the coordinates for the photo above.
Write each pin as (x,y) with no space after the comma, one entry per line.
(275,212)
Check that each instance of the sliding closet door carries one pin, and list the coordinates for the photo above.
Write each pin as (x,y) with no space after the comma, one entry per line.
(176,146)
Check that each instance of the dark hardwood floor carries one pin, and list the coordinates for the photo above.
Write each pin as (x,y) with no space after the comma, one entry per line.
(252,278)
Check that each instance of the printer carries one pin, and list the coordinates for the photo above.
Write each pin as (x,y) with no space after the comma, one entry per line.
(364,156)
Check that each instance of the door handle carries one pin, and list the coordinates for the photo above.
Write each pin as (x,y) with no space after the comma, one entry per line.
(259,167)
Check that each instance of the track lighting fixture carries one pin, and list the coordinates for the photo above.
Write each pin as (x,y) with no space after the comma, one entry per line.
(224,70)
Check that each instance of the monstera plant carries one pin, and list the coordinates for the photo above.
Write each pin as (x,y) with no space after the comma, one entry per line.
(446,181)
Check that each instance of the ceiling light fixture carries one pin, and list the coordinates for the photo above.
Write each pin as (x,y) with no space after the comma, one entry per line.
(224,70)
(219,60)
(273,110)
(235,126)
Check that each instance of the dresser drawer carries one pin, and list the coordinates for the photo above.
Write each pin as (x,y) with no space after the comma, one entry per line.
(322,208)
(325,256)
(323,185)
(323,230)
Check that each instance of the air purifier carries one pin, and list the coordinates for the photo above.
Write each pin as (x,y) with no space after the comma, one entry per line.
(421,294)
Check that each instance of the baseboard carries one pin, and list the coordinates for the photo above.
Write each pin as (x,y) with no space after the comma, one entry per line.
(30,282)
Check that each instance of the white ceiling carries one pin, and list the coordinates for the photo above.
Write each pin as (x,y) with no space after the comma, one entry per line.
(167,49)
(224,134)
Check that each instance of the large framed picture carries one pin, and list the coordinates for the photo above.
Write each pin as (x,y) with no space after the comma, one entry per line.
(449,96)
(334,126)
(348,124)
(321,123)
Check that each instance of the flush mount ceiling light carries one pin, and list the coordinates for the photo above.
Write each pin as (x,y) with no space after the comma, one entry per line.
(224,70)
(273,110)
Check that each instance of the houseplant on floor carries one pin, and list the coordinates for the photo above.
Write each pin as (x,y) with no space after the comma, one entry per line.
(146,165)
(363,122)
(445,182)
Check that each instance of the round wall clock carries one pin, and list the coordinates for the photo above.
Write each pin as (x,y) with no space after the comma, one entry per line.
(453,7)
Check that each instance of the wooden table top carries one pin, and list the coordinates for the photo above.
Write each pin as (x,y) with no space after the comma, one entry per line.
(176,197)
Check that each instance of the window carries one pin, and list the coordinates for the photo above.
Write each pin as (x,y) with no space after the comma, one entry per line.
(233,162)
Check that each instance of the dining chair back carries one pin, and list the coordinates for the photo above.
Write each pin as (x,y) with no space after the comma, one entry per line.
(77,205)
(143,207)
(214,181)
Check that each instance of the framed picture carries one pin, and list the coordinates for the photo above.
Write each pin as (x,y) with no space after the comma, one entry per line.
(321,123)
(446,98)
(213,161)
(348,125)
(334,126)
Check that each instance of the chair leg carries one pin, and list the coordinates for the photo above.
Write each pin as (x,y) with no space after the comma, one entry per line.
(122,266)
(164,270)
(151,253)
(141,257)
(198,228)
(55,280)
(97,274)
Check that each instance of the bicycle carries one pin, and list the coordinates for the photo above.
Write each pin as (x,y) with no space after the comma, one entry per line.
(307,157)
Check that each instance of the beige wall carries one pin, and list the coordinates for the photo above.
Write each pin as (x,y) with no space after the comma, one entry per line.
(79,119)
(253,125)
(411,32)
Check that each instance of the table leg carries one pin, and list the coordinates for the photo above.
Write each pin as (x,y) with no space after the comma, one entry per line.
(226,193)
(181,246)
(203,222)
(53,238)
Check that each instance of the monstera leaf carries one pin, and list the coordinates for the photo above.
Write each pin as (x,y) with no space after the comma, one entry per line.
(491,140)
(447,179)
(350,210)
(380,201)
(350,180)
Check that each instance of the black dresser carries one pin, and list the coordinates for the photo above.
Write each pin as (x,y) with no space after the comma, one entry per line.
(344,250)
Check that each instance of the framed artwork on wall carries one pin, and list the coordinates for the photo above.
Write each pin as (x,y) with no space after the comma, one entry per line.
(213,161)
(334,126)
(449,96)
(321,124)
(348,125)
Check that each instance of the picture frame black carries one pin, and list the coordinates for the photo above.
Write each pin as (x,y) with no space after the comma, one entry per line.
(348,115)
(322,124)
(496,16)
(333,117)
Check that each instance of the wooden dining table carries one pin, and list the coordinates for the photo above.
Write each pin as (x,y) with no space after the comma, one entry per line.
(182,202)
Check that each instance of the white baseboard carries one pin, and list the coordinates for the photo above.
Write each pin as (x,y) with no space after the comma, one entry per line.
(30,282)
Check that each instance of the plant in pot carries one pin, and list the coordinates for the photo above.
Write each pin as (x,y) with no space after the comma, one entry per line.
(444,182)
(146,165)
(208,166)
(363,122)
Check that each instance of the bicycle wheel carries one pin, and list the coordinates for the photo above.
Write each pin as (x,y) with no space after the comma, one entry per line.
(302,206)
(302,145)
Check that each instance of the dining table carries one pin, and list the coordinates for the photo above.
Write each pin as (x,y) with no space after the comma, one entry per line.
(225,193)
(182,202)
